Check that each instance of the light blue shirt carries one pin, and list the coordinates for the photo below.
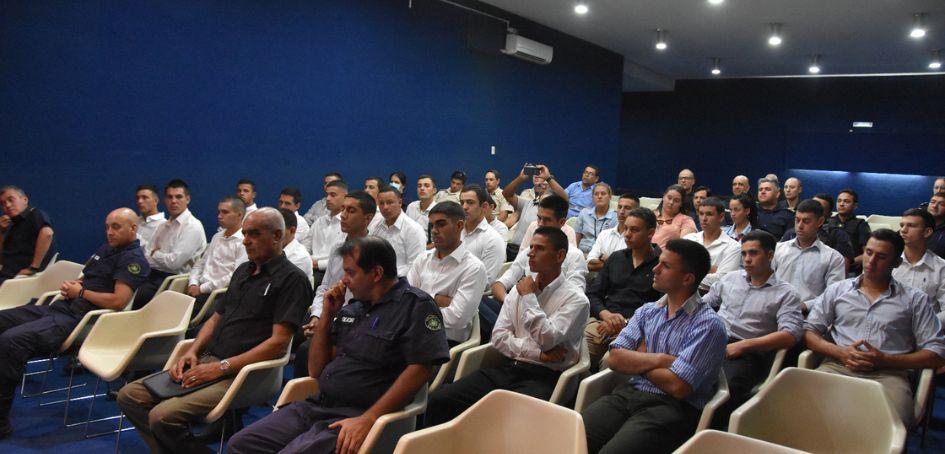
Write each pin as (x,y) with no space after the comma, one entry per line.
(752,311)
(579,198)
(734,234)
(590,226)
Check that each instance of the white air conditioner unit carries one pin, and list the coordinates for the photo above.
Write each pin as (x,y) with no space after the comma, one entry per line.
(527,49)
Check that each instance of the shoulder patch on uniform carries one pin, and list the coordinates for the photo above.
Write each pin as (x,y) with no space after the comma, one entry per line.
(134,268)
(433,323)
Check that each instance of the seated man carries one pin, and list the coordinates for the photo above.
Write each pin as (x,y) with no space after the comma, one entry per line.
(502,207)
(612,240)
(478,237)
(407,237)
(539,330)
(834,237)
(246,191)
(176,244)
(723,250)
(792,192)
(581,193)
(806,262)
(920,268)
(676,346)
(320,207)
(224,253)
(495,223)
(293,250)
(550,214)
(592,220)
(937,210)
(326,230)
(109,279)
(254,322)
(291,199)
(773,217)
(457,181)
(26,235)
(880,327)
(149,219)
(624,283)
(370,357)
(419,210)
(372,185)
(450,273)
(761,315)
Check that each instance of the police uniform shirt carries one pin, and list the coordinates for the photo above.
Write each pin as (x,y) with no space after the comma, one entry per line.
(19,241)
(279,293)
(376,342)
(126,264)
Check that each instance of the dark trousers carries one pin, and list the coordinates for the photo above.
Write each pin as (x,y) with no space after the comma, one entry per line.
(300,365)
(511,251)
(30,331)
(318,276)
(300,427)
(743,374)
(629,420)
(147,290)
(488,314)
(450,400)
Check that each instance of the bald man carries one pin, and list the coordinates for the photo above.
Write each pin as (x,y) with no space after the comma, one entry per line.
(686,179)
(792,192)
(110,278)
(740,185)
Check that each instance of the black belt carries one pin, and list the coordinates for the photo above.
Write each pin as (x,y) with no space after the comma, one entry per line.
(534,368)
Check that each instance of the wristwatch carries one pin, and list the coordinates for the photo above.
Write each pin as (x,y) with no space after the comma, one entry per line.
(224,365)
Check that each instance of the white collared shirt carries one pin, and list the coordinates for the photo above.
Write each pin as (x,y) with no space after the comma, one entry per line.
(333,274)
(608,242)
(460,276)
(574,269)
(250,209)
(421,216)
(527,238)
(406,237)
(296,253)
(500,203)
(488,246)
(537,322)
(146,228)
(725,254)
(809,270)
(317,210)
(177,244)
(500,227)
(928,275)
(215,268)
(444,194)
(302,232)
(325,234)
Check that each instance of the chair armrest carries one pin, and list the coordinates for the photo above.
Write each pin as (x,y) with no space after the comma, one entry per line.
(168,280)
(47,297)
(179,284)
(477,358)
(571,374)
(241,377)
(207,306)
(179,351)
(775,367)
(597,386)
(923,393)
(297,389)
(809,360)
(721,396)
(402,422)
(87,319)
(445,368)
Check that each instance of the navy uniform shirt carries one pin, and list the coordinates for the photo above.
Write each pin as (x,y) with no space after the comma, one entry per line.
(775,221)
(126,264)
(376,342)
(937,241)
(19,241)
(857,229)
(279,293)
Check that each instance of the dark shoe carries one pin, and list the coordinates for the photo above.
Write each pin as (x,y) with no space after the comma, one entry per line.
(6,404)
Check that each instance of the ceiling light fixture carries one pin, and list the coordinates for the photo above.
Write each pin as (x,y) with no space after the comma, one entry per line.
(814,67)
(918,26)
(661,39)
(716,69)
(936,62)
(716,2)
(581,9)
(775,38)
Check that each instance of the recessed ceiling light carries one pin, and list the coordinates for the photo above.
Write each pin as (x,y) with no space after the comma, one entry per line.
(581,9)
(936,62)
(716,2)
(716,69)
(814,67)
(918,26)
(775,38)
(661,39)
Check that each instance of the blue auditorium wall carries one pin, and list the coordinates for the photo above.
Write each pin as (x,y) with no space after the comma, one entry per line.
(98,97)
(792,127)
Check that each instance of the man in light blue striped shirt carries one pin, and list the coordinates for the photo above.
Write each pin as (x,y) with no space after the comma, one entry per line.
(676,345)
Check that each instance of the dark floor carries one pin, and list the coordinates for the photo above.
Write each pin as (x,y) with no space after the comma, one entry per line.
(39,428)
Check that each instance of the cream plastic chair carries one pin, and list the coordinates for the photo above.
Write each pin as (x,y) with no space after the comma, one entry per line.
(878,221)
(18,292)
(821,412)
(605,381)
(571,222)
(205,311)
(138,340)
(776,366)
(499,423)
(176,283)
(386,430)
(923,391)
(715,442)
(486,356)
(650,203)
(473,341)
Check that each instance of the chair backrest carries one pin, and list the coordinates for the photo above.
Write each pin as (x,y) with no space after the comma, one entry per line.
(56,273)
(167,310)
(650,202)
(821,412)
(571,222)
(254,384)
(503,422)
(878,221)
(715,442)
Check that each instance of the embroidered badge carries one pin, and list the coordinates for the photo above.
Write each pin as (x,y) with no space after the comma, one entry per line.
(433,323)
(134,268)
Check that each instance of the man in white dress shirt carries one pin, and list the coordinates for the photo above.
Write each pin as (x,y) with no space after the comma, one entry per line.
(502,207)
(419,210)
(291,199)
(478,236)
(320,208)
(149,218)
(326,230)
(540,331)
(294,251)
(494,222)
(224,253)
(457,181)
(450,273)
(246,191)
(404,234)
(724,251)
(612,240)
(920,268)
(806,262)
(176,244)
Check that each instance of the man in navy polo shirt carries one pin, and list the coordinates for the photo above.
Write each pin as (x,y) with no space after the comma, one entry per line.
(26,235)
(110,278)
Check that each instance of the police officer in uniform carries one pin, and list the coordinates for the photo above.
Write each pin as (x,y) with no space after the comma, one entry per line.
(109,280)
(370,357)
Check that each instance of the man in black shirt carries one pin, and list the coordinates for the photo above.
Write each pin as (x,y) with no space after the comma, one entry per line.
(937,210)
(263,307)
(624,283)
(26,235)
(109,279)
(773,217)
(857,229)
(370,356)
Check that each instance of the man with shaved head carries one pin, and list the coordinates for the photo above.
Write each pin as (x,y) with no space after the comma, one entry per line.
(792,192)
(740,185)
(109,279)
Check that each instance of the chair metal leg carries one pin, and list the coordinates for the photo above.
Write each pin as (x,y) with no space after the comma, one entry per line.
(222,434)
(48,369)
(121,419)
